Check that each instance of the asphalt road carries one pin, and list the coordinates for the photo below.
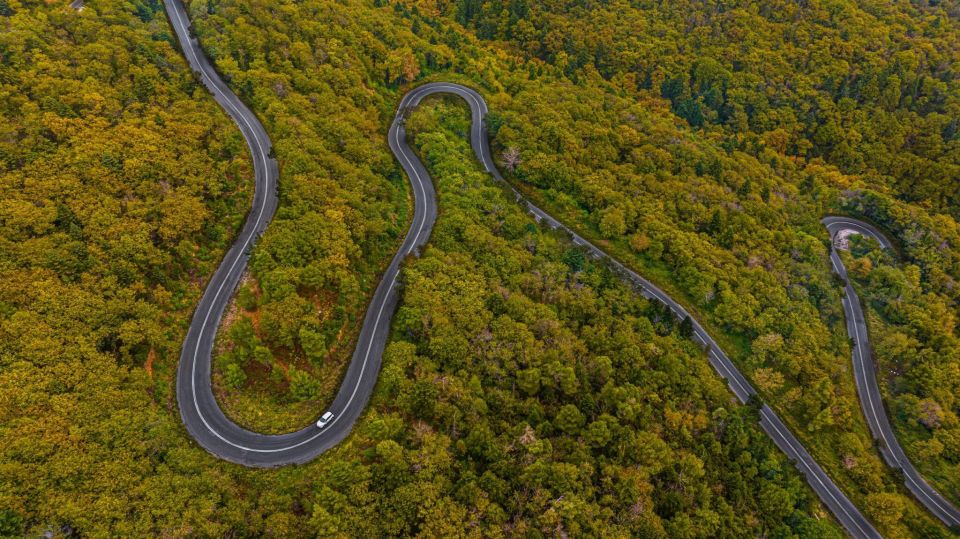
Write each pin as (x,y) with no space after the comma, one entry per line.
(841,506)
(202,416)
(865,373)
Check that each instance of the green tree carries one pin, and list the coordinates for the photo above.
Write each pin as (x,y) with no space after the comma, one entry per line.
(303,386)
(569,419)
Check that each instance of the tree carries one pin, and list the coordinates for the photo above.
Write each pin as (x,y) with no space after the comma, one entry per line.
(303,387)
(313,343)
(511,158)
(246,298)
(569,419)
(528,380)
(613,223)
(885,508)
(234,376)
(280,321)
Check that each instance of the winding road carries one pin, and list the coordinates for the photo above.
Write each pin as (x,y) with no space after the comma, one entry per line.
(865,374)
(207,424)
(199,410)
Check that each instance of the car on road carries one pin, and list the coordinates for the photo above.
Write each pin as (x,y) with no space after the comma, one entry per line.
(324,419)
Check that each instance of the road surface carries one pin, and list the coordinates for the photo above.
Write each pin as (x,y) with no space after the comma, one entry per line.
(202,416)
(198,407)
(865,373)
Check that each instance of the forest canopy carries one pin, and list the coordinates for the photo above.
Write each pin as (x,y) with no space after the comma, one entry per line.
(525,389)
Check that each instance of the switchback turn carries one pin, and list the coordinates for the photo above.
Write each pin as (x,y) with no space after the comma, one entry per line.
(219,435)
(865,374)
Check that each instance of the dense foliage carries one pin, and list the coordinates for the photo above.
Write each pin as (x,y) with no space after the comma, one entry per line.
(532,392)
(120,184)
(342,208)
(546,398)
(870,86)
(912,314)
(795,109)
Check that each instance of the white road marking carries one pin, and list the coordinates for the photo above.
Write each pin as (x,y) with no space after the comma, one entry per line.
(861,380)
(479,109)
(873,410)
(813,472)
(394,133)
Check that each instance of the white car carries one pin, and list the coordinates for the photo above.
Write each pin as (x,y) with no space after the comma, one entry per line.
(324,419)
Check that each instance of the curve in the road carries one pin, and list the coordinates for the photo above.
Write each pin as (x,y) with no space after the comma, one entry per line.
(199,410)
(865,374)
(217,434)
